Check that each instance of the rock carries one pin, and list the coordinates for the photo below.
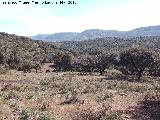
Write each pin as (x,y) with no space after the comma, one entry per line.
(72,100)
(122,94)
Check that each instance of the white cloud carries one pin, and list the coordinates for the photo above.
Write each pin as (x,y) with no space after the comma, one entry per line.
(126,17)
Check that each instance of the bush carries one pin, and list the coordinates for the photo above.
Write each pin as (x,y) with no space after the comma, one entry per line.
(29,95)
(154,69)
(25,115)
(3,69)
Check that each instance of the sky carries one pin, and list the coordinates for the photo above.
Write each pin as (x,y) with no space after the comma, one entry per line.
(124,15)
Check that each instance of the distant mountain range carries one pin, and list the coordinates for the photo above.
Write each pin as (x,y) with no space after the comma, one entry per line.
(63,36)
(98,33)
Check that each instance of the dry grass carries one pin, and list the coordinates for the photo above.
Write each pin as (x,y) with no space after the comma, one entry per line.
(38,96)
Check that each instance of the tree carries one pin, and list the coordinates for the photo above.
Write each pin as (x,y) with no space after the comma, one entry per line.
(84,63)
(13,60)
(104,60)
(62,62)
(66,62)
(1,58)
(154,69)
(135,61)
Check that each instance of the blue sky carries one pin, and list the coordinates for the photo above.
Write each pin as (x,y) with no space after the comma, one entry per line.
(33,19)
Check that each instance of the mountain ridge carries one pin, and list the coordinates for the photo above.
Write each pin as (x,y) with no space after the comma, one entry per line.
(99,33)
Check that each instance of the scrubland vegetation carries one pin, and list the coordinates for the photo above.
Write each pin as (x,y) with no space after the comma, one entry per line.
(42,81)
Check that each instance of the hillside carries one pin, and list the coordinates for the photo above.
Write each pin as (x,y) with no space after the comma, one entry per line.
(145,31)
(19,50)
(98,33)
(110,44)
(87,87)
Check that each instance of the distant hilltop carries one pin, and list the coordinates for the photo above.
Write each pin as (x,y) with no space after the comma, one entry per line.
(98,33)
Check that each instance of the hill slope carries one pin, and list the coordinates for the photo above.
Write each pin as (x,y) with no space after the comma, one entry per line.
(20,50)
(98,33)
(110,44)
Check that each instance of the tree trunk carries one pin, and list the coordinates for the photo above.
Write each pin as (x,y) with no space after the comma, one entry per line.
(139,75)
(102,69)
(101,72)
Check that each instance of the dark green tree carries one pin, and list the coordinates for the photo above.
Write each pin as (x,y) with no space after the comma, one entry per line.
(62,62)
(103,61)
(13,60)
(1,58)
(154,69)
(135,61)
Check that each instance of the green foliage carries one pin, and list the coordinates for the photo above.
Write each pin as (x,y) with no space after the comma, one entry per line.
(154,69)
(29,95)
(1,58)
(25,115)
(23,53)
(110,44)
(135,61)
(62,62)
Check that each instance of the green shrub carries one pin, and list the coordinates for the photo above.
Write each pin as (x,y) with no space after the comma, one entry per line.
(29,95)
(25,115)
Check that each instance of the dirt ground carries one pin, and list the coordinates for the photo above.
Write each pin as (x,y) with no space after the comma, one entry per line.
(71,96)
